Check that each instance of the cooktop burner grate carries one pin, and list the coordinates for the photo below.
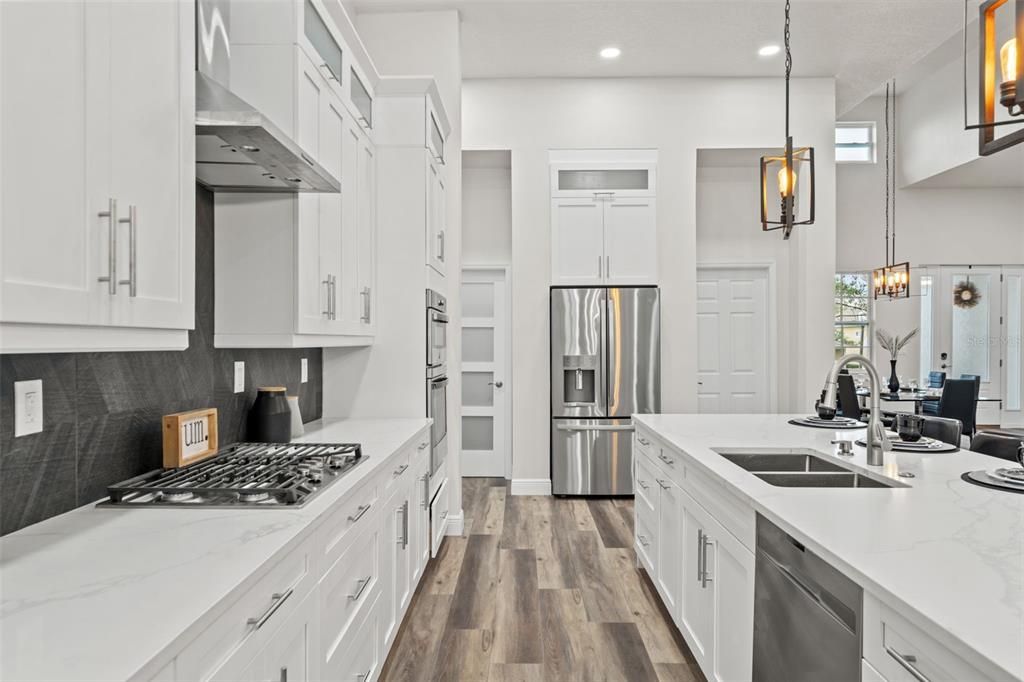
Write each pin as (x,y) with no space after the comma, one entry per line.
(258,475)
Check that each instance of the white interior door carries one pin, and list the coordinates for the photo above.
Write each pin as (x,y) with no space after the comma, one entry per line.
(486,396)
(1013,362)
(732,341)
(967,334)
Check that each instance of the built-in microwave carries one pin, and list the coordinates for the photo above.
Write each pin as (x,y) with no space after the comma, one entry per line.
(437,333)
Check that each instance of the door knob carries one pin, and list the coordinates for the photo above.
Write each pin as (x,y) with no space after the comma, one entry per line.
(496,384)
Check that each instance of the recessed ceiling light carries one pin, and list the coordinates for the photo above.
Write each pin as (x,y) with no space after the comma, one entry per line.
(610,53)
(769,50)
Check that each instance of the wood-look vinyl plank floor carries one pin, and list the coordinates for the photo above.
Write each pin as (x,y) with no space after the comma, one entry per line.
(541,589)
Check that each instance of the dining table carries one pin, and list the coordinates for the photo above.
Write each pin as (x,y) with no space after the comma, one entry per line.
(917,396)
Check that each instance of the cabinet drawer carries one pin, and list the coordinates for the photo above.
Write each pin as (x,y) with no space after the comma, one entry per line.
(646,540)
(353,513)
(246,626)
(645,485)
(396,468)
(899,650)
(733,513)
(346,587)
(359,657)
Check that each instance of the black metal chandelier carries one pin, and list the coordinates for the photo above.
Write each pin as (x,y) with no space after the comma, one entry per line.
(893,279)
(1000,67)
(779,175)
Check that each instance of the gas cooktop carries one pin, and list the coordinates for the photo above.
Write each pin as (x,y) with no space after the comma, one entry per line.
(243,475)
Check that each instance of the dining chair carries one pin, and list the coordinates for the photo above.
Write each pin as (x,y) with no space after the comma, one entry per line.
(1002,445)
(959,401)
(935,380)
(941,428)
(976,378)
(849,401)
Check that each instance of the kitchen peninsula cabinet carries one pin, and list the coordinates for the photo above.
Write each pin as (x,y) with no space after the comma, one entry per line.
(106,114)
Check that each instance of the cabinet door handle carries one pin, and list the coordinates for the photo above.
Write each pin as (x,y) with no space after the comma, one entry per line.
(643,441)
(111,277)
(360,510)
(423,446)
(334,297)
(643,540)
(276,600)
(663,458)
(700,558)
(608,266)
(640,482)
(426,491)
(133,251)
(907,661)
(400,470)
(705,574)
(664,486)
(363,677)
(284,674)
(365,294)
(327,290)
(362,584)
(600,266)
(440,237)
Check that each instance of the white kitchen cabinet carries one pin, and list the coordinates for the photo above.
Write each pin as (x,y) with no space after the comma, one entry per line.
(729,568)
(603,240)
(396,558)
(419,535)
(670,553)
(696,617)
(118,133)
(439,509)
(293,652)
(296,270)
(436,207)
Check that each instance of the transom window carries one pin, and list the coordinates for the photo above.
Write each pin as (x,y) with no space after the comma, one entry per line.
(852,312)
(855,142)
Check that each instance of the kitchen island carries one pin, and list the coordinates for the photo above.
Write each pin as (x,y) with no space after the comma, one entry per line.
(108,593)
(940,561)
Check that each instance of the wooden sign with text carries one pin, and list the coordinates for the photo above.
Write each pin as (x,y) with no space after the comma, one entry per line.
(189,437)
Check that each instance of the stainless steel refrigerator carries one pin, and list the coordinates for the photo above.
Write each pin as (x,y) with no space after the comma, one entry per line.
(605,367)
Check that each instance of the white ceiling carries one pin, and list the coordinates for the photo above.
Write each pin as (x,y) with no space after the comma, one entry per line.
(860,42)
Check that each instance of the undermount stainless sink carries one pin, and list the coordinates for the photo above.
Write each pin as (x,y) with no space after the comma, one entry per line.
(797,468)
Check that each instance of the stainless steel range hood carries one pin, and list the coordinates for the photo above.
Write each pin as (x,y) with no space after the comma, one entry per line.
(238,149)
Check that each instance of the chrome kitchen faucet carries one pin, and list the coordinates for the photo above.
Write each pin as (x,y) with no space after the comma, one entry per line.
(876,440)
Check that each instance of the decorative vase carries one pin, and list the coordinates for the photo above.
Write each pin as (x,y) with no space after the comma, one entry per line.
(894,381)
(270,418)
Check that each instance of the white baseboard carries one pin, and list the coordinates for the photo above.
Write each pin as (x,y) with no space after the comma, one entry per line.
(456,524)
(531,486)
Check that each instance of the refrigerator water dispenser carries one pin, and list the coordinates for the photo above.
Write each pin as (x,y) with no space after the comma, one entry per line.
(578,379)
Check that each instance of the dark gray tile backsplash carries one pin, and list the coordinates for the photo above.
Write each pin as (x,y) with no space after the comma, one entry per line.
(101,411)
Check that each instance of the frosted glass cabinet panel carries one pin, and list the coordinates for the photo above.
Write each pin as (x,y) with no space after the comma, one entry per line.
(608,179)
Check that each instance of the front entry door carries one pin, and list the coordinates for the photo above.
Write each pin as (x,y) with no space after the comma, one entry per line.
(486,398)
(732,341)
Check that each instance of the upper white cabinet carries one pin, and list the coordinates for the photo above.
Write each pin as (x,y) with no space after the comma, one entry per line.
(603,218)
(106,114)
(410,117)
(298,270)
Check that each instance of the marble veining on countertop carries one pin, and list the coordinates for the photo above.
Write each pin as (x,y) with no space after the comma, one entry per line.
(949,553)
(98,593)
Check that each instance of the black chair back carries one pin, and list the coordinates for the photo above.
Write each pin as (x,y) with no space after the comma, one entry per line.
(936,379)
(940,428)
(959,402)
(976,378)
(849,402)
(1000,445)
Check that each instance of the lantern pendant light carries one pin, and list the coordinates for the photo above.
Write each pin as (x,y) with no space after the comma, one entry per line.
(779,175)
(893,279)
(1000,68)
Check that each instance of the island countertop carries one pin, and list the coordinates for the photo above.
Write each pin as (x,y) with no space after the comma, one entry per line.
(949,553)
(99,593)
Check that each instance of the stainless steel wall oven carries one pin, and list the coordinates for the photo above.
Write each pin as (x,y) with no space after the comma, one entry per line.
(437,377)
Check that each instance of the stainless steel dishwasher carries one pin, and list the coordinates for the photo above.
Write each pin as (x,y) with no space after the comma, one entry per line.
(807,615)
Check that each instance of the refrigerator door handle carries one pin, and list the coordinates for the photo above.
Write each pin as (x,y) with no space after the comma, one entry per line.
(595,427)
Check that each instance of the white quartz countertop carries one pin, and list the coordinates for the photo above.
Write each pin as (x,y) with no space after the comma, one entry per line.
(97,593)
(945,552)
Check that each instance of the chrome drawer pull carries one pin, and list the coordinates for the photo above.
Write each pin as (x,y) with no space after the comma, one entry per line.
(400,470)
(907,661)
(641,483)
(362,586)
(360,510)
(133,280)
(700,557)
(277,599)
(111,277)
(705,574)
(364,676)
(643,441)
(643,540)
(662,483)
(423,446)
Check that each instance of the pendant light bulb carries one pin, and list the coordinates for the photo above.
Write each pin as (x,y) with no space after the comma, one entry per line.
(787,181)
(1008,59)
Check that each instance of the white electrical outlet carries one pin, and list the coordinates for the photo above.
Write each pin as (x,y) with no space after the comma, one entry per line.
(239,377)
(28,407)
(305,370)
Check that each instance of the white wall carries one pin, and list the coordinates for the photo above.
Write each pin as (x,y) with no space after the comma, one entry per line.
(934,226)
(486,207)
(677,116)
(410,44)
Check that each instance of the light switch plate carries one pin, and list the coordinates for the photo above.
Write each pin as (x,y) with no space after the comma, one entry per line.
(305,370)
(28,407)
(239,377)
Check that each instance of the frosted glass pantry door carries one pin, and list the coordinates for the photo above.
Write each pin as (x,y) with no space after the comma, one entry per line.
(485,392)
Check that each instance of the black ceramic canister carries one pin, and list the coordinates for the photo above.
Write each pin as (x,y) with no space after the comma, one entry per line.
(270,417)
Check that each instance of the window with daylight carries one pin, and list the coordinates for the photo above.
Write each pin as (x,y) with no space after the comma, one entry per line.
(852,311)
(855,142)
